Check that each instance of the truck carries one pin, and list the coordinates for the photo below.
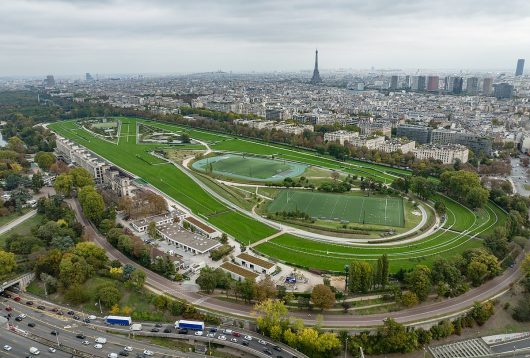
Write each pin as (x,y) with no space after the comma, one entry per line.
(136,327)
(119,320)
(193,325)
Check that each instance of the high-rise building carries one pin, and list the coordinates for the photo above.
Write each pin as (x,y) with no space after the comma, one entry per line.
(448,84)
(316,75)
(420,134)
(418,83)
(457,85)
(89,77)
(487,86)
(394,82)
(472,86)
(520,67)
(49,81)
(433,82)
(503,90)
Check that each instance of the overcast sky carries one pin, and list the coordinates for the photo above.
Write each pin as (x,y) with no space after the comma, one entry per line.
(172,36)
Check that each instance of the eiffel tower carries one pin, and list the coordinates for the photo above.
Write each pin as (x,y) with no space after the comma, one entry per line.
(316,75)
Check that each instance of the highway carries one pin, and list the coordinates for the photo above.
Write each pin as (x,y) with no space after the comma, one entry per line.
(45,320)
(420,313)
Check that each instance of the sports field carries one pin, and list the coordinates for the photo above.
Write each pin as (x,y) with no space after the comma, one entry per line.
(341,207)
(249,168)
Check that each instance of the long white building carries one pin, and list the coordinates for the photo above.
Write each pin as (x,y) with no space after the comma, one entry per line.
(447,153)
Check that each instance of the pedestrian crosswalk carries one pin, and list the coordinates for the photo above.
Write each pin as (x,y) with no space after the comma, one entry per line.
(468,348)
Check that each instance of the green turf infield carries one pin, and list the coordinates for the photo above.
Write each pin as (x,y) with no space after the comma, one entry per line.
(249,167)
(341,207)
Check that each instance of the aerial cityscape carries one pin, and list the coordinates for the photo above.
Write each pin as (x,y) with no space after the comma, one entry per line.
(264,179)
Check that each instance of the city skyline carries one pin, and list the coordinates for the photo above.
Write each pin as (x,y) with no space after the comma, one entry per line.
(112,36)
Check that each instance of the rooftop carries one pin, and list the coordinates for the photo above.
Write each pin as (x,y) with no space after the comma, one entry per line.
(176,233)
(255,260)
(200,225)
(238,270)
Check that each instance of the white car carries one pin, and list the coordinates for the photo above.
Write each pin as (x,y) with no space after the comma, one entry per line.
(148,353)
(67,327)
(101,340)
(234,340)
(92,317)
(52,350)
(7,348)
(199,333)
(22,315)
(112,355)
(247,338)
(222,337)
(85,343)
(128,349)
(98,346)
(261,341)
(211,335)
(34,350)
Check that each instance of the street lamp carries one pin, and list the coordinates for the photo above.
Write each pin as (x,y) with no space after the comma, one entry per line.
(345,346)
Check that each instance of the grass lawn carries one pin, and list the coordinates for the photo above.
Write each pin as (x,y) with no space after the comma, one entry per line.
(249,168)
(169,179)
(341,207)
(8,218)
(22,229)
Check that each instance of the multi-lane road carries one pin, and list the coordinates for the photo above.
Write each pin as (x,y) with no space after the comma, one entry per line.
(42,322)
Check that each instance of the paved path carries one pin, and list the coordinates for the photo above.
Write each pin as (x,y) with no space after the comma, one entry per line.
(10,225)
(279,233)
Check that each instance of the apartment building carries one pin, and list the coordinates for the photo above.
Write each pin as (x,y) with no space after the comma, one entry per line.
(446,153)
(394,145)
(368,141)
(340,136)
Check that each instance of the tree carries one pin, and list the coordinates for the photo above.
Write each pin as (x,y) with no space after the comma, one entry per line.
(63,184)
(81,177)
(497,242)
(74,270)
(419,281)
(44,160)
(480,265)
(394,338)
(270,313)
(7,263)
(245,289)
(210,278)
(151,230)
(409,299)
(265,289)
(92,203)
(465,187)
(322,297)
(16,144)
(477,272)
(137,279)
(481,312)
(439,206)
(93,254)
(422,187)
(62,243)
(50,283)
(37,182)
(108,295)
(360,277)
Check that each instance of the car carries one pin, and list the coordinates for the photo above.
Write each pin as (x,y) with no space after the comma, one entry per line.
(85,343)
(98,346)
(70,313)
(17,298)
(213,329)
(211,335)
(247,338)
(55,309)
(86,320)
(261,341)
(92,317)
(123,353)
(148,353)
(54,333)
(245,343)
(67,327)
(222,337)
(7,348)
(233,340)
(7,295)
(154,329)
(18,318)
(9,308)
(112,355)
(128,349)
(101,340)
(199,333)
(277,348)
(34,350)
(52,350)
(41,307)
(60,313)
(29,303)
(267,351)
(227,331)
(236,334)
(80,336)
(158,325)
(167,330)
(77,318)
(31,324)
(183,331)
(22,315)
